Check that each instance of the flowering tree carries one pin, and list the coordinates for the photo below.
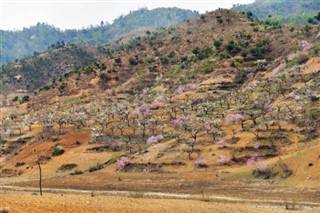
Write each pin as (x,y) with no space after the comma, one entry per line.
(201,163)
(155,139)
(222,159)
(122,163)
(29,121)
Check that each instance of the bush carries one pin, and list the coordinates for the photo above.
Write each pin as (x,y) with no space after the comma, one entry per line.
(153,68)
(218,44)
(62,87)
(164,60)
(21,163)
(96,167)
(236,63)
(65,167)
(223,55)
(207,69)
(57,150)
(232,48)
(24,99)
(262,170)
(104,77)
(16,98)
(76,172)
(133,61)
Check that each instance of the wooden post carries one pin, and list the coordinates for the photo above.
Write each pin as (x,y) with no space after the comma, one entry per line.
(40,176)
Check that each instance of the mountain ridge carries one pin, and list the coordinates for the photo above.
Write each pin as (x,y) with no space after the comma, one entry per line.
(24,43)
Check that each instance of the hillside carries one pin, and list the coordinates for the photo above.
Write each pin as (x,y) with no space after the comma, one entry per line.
(285,11)
(30,74)
(24,43)
(220,104)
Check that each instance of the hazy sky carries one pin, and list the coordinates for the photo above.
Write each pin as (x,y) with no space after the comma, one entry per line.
(70,14)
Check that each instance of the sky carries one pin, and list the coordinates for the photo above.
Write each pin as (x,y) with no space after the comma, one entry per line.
(76,14)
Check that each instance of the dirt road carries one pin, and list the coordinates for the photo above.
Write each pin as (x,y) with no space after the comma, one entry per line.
(55,200)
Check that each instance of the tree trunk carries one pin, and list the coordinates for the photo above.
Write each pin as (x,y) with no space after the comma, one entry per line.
(40,177)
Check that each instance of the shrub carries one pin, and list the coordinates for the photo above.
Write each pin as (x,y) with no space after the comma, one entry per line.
(21,163)
(262,170)
(133,61)
(164,60)
(223,55)
(236,63)
(171,54)
(76,172)
(201,163)
(114,158)
(16,98)
(303,58)
(218,44)
(232,48)
(96,167)
(117,60)
(207,69)
(65,167)
(88,70)
(104,77)
(196,51)
(24,99)
(153,68)
(62,87)
(150,60)
(57,150)
(123,163)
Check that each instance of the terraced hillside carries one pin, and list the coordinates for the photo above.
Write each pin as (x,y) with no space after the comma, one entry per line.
(218,104)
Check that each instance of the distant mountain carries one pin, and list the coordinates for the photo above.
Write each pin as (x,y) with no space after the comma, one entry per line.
(286,11)
(34,72)
(24,43)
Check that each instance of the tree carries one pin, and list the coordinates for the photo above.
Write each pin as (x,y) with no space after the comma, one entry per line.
(40,174)
(317,17)
(218,44)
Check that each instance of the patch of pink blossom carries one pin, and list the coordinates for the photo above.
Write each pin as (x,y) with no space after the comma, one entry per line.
(123,163)
(175,123)
(201,163)
(180,89)
(117,145)
(262,167)
(305,45)
(234,118)
(221,142)
(250,75)
(155,139)
(309,92)
(108,91)
(296,97)
(207,127)
(166,80)
(184,118)
(251,87)
(222,159)
(253,160)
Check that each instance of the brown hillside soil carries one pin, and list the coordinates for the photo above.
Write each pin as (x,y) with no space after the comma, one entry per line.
(24,202)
